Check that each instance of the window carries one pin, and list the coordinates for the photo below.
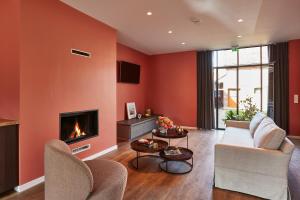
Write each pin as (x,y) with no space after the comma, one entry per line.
(238,75)
(249,56)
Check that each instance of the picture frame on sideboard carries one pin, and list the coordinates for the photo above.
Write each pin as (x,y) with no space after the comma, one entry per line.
(131,110)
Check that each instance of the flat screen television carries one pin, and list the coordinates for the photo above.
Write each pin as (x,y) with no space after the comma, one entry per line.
(128,72)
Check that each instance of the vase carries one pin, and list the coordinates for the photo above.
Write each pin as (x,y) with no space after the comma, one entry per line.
(163,130)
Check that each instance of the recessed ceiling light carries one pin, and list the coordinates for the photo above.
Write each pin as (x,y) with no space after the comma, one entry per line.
(240,20)
(239,36)
(182,43)
(170,31)
(149,13)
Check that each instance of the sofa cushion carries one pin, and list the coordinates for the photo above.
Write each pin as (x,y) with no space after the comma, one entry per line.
(237,137)
(237,124)
(287,146)
(268,135)
(256,120)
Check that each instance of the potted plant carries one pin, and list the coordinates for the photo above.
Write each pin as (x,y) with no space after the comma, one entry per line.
(250,109)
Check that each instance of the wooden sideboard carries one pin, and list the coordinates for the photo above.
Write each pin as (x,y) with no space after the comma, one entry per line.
(9,155)
(132,128)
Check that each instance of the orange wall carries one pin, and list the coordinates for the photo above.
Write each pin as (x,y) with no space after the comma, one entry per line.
(132,92)
(172,88)
(54,81)
(294,86)
(9,61)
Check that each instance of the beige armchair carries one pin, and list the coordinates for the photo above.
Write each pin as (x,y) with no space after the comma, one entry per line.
(69,178)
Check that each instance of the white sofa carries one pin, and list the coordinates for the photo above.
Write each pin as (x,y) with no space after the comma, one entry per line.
(253,158)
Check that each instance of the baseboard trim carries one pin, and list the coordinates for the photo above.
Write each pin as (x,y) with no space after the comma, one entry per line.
(101,153)
(189,127)
(30,184)
(293,136)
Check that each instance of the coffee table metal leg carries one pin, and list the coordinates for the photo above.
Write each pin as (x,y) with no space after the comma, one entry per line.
(137,159)
(187,141)
(164,167)
(167,165)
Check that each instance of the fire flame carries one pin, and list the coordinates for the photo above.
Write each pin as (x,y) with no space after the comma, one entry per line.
(77,132)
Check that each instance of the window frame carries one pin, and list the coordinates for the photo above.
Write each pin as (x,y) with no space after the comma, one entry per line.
(216,68)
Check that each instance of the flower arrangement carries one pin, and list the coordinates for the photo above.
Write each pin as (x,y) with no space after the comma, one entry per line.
(165,122)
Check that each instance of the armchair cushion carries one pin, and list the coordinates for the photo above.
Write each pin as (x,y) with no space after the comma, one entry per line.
(268,135)
(69,178)
(66,176)
(110,179)
(256,120)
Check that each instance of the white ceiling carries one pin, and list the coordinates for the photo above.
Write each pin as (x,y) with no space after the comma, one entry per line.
(265,21)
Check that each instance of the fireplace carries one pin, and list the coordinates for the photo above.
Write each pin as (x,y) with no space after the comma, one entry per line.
(77,126)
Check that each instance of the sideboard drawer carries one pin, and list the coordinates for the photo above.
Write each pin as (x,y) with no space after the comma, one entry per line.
(130,129)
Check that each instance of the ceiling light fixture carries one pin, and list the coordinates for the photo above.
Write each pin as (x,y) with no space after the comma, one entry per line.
(170,31)
(239,36)
(182,43)
(149,13)
(240,20)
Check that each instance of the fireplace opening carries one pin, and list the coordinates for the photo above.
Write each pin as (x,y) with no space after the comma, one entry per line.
(77,126)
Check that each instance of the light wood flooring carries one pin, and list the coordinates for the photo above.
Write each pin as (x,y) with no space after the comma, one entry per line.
(150,183)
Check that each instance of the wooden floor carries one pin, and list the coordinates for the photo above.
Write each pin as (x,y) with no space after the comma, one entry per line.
(150,183)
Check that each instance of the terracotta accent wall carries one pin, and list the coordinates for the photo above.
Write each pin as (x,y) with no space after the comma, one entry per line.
(172,88)
(54,81)
(127,92)
(9,59)
(294,86)
(39,78)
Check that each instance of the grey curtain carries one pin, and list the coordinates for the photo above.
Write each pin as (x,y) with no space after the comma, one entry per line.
(279,59)
(205,105)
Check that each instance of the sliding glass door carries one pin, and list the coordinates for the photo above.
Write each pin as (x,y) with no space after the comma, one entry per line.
(226,93)
(239,75)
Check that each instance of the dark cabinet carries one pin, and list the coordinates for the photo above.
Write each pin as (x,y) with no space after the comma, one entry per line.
(132,128)
(9,157)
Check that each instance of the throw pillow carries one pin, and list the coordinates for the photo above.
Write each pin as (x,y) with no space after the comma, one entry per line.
(254,123)
(268,135)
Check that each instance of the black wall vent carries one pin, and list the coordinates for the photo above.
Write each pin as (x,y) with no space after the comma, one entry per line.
(81,53)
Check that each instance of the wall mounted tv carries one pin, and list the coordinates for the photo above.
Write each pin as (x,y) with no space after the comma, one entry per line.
(128,72)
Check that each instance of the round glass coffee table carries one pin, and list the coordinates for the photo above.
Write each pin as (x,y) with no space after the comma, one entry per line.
(150,150)
(177,164)
(172,134)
